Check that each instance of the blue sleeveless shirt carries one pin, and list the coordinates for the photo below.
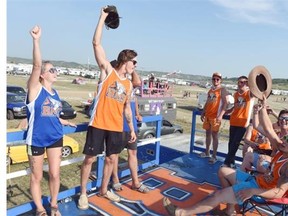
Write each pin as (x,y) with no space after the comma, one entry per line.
(44,126)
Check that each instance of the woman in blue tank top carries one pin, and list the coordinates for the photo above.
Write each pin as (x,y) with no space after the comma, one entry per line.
(45,131)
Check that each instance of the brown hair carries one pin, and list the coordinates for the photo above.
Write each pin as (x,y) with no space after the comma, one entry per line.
(125,56)
(43,67)
(284,111)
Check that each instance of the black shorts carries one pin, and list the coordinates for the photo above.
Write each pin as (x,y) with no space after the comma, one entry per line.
(125,144)
(36,151)
(99,140)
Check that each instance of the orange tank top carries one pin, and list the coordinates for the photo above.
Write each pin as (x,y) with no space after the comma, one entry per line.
(276,164)
(213,104)
(243,106)
(254,138)
(109,103)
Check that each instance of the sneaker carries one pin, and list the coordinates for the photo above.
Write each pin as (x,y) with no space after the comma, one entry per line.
(204,155)
(212,160)
(83,202)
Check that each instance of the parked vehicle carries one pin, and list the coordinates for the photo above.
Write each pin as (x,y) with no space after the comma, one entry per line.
(15,106)
(17,90)
(148,129)
(67,111)
(18,154)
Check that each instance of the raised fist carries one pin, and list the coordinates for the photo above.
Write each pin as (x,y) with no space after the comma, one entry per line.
(36,32)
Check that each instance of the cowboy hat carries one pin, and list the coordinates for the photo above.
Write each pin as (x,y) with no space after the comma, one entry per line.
(260,82)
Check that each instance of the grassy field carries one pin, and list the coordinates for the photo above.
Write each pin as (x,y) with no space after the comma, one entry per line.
(18,188)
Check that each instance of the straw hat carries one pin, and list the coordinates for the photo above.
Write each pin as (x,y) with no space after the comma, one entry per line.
(260,82)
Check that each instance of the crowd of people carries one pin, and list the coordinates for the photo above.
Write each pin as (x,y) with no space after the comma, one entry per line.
(113,124)
(264,168)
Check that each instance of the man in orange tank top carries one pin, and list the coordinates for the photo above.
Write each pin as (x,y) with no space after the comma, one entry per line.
(105,128)
(239,186)
(212,114)
(239,119)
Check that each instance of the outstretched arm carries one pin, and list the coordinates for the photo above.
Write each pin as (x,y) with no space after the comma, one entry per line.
(33,82)
(100,56)
(260,117)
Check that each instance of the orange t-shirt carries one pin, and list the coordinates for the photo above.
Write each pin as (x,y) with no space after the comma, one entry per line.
(213,104)
(243,106)
(109,103)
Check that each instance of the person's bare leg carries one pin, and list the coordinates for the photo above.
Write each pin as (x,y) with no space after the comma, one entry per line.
(115,178)
(215,143)
(133,166)
(225,195)
(36,167)
(107,172)
(227,177)
(247,162)
(85,172)
(208,141)
(54,160)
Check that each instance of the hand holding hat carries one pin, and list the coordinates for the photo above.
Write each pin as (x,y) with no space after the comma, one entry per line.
(113,19)
(260,82)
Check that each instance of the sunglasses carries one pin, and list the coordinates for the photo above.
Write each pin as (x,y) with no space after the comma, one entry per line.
(52,70)
(215,79)
(134,62)
(281,118)
(242,82)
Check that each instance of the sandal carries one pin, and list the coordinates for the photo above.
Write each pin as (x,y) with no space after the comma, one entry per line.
(55,211)
(41,213)
(117,186)
(212,160)
(204,155)
(142,188)
(110,196)
(170,208)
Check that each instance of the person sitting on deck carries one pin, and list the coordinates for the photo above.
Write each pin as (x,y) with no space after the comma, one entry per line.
(239,186)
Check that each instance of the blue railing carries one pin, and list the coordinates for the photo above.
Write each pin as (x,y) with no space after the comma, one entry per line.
(14,137)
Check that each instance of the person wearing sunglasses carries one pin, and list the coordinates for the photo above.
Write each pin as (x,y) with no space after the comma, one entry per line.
(45,127)
(238,186)
(106,122)
(239,119)
(212,114)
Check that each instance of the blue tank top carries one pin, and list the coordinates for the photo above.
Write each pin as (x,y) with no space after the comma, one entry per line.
(44,126)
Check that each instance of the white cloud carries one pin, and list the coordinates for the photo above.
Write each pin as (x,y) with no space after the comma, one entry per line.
(272,12)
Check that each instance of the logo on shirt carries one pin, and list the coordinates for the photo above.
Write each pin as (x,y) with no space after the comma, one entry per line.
(211,97)
(240,102)
(117,91)
(51,107)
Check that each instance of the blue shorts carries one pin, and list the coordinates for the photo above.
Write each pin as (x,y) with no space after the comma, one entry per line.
(243,181)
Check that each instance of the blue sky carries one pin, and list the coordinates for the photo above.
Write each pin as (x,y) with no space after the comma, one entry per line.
(191,36)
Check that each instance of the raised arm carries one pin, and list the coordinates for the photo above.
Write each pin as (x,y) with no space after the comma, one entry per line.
(260,117)
(136,81)
(33,82)
(100,56)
